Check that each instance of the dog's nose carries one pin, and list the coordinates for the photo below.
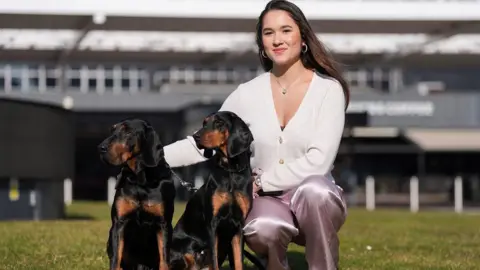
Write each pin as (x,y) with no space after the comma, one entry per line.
(102,148)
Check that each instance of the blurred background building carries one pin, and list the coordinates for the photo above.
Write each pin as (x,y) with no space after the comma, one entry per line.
(413,67)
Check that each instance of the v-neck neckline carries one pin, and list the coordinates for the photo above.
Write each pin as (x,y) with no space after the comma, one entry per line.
(272,102)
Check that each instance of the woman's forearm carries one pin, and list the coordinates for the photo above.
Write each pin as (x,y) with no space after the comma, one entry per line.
(183,153)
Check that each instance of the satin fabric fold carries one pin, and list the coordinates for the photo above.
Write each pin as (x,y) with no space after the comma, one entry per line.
(310,215)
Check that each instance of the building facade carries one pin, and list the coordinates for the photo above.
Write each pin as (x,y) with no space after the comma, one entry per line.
(415,108)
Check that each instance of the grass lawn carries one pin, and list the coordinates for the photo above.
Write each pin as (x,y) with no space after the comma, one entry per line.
(398,240)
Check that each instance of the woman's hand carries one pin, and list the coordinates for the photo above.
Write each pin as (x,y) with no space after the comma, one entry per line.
(255,190)
(255,174)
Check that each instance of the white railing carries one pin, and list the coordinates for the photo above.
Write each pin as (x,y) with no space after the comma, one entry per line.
(131,79)
(26,78)
(415,195)
(370,194)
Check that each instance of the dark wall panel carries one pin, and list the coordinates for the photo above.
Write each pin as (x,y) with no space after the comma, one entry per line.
(36,140)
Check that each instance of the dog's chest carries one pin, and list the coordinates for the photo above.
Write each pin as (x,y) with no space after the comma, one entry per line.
(228,192)
(226,203)
(142,201)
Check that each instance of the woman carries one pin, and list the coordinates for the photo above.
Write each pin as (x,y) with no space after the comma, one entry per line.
(296,112)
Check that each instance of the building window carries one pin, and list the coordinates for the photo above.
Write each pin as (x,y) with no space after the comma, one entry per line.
(125,83)
(92,84)
(34,82)
(74,83)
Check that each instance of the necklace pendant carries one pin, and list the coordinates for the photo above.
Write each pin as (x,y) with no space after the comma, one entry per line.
(284,91)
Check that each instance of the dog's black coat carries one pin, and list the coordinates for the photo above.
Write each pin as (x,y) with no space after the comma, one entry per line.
(217,211)
(144,199)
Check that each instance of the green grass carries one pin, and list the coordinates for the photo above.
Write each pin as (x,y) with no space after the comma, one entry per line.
(398,239)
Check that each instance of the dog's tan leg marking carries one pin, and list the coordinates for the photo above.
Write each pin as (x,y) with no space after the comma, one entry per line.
(237,253)
(163,264)
(220,199)
(124,207)
(243,202)
(157,209)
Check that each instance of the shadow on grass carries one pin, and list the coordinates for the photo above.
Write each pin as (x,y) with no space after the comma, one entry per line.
(78,217)
(81,210)
(296,260)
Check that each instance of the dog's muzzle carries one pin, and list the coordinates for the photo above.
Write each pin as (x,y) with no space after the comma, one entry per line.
(102,148)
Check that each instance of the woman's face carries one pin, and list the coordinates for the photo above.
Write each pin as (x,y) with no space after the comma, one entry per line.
(281,37)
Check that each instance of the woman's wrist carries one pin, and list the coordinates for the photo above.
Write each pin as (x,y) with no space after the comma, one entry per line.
(257,174)
(257,181)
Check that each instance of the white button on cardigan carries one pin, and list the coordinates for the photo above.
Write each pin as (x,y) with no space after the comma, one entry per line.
(306,146)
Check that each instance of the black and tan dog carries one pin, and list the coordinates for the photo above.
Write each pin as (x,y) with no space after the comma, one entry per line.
(212,225)
(144,199)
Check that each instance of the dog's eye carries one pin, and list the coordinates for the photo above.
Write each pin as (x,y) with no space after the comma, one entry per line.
(201,256)
(219,124)
(201,253)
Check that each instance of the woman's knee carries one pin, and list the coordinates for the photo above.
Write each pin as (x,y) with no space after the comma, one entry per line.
(318,195)
(316,190)
(263,232)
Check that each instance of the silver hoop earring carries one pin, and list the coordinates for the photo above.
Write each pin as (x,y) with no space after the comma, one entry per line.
(304,48)
(263,54)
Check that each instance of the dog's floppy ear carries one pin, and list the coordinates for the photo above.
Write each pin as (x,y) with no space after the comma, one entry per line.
(151,146)
(240,137)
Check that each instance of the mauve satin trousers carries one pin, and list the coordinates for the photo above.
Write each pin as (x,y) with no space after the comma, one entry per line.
(320,210)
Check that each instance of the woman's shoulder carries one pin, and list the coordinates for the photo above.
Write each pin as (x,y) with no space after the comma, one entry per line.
(326,83)
(329,90)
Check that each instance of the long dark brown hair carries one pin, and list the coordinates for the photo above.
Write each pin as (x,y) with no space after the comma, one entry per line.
(317,57)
